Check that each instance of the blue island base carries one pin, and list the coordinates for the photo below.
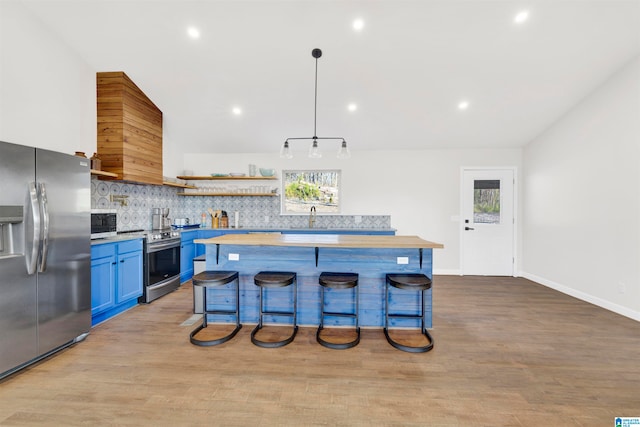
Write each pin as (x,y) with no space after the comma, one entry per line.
(371,265)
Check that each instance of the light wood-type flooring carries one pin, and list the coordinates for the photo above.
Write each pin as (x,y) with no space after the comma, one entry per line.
(508,352)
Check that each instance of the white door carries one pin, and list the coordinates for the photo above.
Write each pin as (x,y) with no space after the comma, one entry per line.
(487,222)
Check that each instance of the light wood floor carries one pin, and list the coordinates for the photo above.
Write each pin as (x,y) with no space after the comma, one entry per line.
(508,353)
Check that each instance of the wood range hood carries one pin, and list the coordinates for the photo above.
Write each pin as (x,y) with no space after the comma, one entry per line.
(129,130)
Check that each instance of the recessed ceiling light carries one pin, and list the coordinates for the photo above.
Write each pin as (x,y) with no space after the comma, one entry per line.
(352,107)
(358,24)
(521,17)
(463,105)
(236,110)
(193,32)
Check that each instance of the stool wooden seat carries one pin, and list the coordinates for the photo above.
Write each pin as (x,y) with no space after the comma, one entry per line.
(208,279)
(413,282)
(275,279)
(338,281)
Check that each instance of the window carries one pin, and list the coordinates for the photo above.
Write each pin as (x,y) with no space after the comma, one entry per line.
(486,201)
(302,189)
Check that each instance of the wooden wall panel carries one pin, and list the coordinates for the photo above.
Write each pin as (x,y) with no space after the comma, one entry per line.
(129,130)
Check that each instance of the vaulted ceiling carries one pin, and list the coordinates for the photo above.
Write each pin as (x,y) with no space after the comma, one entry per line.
(406,70)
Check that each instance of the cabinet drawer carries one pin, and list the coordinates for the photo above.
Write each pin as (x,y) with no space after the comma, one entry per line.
(103,250)
(130,246)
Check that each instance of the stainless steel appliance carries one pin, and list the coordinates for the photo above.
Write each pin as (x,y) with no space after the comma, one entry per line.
(160,219)
(45,253)
(161,264)
(103,223)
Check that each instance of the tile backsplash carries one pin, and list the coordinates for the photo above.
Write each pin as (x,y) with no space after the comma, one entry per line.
(254,211)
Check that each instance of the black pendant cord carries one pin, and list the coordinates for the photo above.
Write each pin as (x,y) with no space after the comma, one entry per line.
(316,53)
(315,104)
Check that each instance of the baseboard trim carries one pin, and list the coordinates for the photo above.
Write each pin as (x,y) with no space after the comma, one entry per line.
(608,305)
(443,272)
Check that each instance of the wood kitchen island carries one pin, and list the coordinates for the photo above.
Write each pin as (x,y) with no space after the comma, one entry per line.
(308,255)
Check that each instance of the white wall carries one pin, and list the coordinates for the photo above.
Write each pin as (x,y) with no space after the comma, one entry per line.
(47,92)
(419,189)
(581,231)
(581,192)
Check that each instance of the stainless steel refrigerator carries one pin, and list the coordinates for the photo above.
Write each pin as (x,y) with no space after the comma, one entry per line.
(45,253)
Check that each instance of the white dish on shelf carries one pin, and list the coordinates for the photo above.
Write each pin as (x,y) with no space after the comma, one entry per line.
(236,174)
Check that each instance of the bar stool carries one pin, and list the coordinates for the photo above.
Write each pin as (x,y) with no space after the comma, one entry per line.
(208,279)
(412,282)
(276,279)
(338,281)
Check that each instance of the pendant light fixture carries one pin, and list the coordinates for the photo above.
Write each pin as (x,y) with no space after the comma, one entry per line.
(314,150)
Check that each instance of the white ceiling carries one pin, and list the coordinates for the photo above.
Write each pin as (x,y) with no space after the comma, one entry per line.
(406,70)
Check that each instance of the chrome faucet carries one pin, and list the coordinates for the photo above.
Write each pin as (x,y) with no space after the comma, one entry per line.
(312,217)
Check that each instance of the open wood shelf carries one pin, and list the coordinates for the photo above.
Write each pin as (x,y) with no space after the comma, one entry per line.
(232,178)
(103,173)
(175,184)
(228,194)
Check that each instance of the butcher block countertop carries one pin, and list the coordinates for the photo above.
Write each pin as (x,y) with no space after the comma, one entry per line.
(322,241)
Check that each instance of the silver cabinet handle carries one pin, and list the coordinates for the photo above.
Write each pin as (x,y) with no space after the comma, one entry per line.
(31,258)
(44,204)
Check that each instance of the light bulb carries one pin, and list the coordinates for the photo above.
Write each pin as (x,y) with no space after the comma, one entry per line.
(343,151)
(314,151)
(285,151)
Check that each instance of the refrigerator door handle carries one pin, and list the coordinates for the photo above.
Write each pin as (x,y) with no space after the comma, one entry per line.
(32,257)
(44,204)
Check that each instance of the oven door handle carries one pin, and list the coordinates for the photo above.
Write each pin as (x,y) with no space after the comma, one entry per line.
(155,247)
(157,286)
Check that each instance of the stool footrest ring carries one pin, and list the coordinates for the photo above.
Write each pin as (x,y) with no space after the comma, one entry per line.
(272,344)
(214,278)
(208,343)
(337,346)
(408,348)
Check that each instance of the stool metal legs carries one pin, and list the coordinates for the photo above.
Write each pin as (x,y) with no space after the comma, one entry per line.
(421,316)
(293,314)
(236,312)
(339,346)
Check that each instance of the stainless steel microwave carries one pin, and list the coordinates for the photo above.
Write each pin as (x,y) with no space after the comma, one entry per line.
(103,223)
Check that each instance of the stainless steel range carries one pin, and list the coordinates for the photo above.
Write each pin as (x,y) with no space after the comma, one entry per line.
(161,264)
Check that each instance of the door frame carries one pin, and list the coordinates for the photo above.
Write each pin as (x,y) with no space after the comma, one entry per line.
(514,243)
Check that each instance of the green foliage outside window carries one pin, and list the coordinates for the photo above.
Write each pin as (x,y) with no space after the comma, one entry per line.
(486,201)
(302,190)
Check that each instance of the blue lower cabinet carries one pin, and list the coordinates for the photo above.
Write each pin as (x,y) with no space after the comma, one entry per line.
(103,277)
(187,253)
(116,278)
(129,276)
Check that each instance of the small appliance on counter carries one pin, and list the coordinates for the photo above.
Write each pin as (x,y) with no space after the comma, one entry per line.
(160,219)
(103,223)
